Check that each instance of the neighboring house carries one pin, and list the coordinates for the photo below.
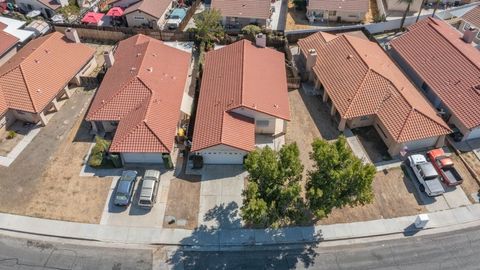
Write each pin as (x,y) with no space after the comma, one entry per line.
(470,20)
(363,87)
(150,13)
(400,7)
(243,100)
(47,7)
(446,68)
(140,99)
(38,76)
(337,10)
(16,29)
(8,45)
(239,13)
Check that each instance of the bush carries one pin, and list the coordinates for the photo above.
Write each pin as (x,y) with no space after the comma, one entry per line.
(99,152)
(251,30)
(11,134)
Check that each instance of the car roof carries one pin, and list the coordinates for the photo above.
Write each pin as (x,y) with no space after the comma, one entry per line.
(128,175)
(428,169)
(152,173)
(418,158)
(124,186)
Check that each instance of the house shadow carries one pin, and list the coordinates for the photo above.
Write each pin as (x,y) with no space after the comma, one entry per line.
(224,246)
(83,133)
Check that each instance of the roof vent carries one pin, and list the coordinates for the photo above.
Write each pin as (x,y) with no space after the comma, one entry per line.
(174,78)
(477,88)
(139,54)
(37,61)
(349,56)
(47,50)
(154,54)
(103,101)
(275,106)
(150,69)
(38,90)
(133,68)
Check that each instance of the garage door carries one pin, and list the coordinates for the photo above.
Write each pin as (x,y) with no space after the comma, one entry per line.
(222,157)
(142,157)
(421,144)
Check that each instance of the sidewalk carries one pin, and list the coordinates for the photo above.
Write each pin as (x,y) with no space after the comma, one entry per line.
(204,237)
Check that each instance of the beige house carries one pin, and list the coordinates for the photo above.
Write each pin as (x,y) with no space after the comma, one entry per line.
(363,87)
(147,13)
(337,10)
(237,14)
(34,80)
(470,22)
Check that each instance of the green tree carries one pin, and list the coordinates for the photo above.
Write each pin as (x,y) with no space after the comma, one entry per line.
(208,29)
(338,179)
(408,3)
(272,197)
(251,30)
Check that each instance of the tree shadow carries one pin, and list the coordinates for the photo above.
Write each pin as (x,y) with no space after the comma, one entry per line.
(222,245)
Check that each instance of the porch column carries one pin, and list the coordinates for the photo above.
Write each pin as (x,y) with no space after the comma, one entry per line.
(440,142)
(317,84)
(68,94)
(94,126)
(325,96)
(333,110)
(342,124)
(43,119)
(76,80)
(55,104)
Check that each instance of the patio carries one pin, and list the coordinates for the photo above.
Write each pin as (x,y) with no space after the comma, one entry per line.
(21,129)
(373,144)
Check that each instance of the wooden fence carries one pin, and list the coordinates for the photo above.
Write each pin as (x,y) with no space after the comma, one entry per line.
(189,15)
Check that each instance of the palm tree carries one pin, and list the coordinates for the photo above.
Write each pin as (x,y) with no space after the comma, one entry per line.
(408,2)
(420,11)
(437,2)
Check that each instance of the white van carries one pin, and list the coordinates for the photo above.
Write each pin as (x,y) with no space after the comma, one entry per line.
(148,191)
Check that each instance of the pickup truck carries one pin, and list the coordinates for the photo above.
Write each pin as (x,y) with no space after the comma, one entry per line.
(426,175)
(444,166)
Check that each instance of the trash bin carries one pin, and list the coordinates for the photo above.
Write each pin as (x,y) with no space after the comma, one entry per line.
(421,221)
(167,161)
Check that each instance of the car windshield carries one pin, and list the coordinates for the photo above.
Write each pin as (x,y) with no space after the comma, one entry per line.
(121,196)
(430,177)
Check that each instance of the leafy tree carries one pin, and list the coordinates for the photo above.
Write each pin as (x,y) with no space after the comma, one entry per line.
(272,196)
(338,179)
(207,27)
(409,3)
(251,30)
(300,4)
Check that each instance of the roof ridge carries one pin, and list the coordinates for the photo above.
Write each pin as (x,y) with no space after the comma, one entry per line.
(27,87)
(437,122)
(358,90)
(404,124)
(450,42)
(243,70)
(151,130)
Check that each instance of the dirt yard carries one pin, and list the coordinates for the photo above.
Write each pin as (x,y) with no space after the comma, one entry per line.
(469,185)
(372,11)
(309,120)
(183,202)
(296,20)
(394,197)
(62,193)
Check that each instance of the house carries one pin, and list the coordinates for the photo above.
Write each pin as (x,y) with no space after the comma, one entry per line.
(446,68)
(150,13)
(17,29)
(239,13)
(363,87)
(8,45)
(35,79)
(470,21)
(140,98)
(47,7)
(243,103)
(337,10)
(400,7)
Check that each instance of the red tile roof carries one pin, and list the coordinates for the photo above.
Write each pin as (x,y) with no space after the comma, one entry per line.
(143,90)
(7,41)
(339,5)
(362,80)
(473,16)
(40,70)
(449,66)
(238,76)
(258,9)
(155,8)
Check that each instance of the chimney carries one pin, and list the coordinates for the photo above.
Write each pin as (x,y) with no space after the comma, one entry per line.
(469,35)
(261,40)
(72,35)
(311,59)
(109,59)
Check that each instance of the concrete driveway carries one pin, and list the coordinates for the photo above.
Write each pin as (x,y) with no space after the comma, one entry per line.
(133,215)
(221,185)
(452,198)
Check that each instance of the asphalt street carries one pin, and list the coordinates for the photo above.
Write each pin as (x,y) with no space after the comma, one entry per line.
(454,250)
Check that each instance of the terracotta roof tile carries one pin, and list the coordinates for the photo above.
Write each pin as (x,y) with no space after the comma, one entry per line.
(449,66)
(143,90)
(362,80)
(40,70)
(238,76)
(339,5)
(155,8)
(473,16)
(7,42)
(258,9)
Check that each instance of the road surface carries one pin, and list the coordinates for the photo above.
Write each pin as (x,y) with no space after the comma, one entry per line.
(455,250)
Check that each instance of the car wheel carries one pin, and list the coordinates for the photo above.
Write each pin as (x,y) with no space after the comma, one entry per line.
(422,188)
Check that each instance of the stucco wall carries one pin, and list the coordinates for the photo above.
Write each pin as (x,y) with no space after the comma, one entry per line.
(243,21)
(395,5)
(9,54)
(362,121)
(344,16)
(138,19)
(264,129)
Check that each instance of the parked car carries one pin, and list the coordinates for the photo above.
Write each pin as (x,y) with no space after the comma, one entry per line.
(426,175)
(444,166)
(148,192)
(124,190)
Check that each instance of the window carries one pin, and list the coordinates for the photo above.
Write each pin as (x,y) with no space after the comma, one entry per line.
(332,13)
(365,117)
(262,123)
(381,130)
(352,16)
(466,26)
(138,18)
(114,123)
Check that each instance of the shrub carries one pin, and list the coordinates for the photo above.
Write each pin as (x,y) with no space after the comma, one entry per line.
(11,134)
(98,152)
(251,30)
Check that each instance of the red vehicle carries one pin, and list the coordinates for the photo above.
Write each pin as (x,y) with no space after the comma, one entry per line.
(445,168)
